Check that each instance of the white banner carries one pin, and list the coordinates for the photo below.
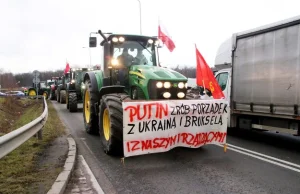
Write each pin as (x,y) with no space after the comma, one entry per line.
(158,126)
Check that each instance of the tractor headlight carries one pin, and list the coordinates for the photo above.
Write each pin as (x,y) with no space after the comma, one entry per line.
(180,85)
(114,62)
(73,81)
(180,95)
(83,87)
(186,85)
(167,84)
(167,95)
(159,84)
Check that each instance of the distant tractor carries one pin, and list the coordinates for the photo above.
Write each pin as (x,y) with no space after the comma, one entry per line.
(42,89)
(61,88)
(129,71)
(74,88)
(53,87)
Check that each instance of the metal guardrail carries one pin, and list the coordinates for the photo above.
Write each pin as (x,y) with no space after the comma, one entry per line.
(14,139)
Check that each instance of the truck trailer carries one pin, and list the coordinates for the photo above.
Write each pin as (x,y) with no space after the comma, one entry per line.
(259,73)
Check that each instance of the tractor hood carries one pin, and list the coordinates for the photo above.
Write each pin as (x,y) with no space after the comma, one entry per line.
(156,73)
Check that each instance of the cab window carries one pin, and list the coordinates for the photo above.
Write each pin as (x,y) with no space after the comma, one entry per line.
(222,80)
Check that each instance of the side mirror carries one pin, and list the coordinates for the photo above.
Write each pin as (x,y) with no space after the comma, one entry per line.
(93,41)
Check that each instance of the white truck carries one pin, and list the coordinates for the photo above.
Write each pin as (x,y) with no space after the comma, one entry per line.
(259,73)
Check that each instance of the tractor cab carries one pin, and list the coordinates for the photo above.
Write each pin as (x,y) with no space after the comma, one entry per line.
(123,55)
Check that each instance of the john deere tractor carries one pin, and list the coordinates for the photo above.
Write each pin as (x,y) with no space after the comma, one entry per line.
(129,71)
(53,87)
(74,88)
(42,89)
(61,88)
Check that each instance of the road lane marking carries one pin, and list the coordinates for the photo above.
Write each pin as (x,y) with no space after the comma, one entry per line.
(261,158)
(93,180)
(266,156)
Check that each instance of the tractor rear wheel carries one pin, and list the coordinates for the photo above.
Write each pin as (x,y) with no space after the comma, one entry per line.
(111,123)
(62,96)
(89,111)
(32,92)
(72,102)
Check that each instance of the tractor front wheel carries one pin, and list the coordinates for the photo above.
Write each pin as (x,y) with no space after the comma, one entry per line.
(111,123)
(57,95)
(72,102)
(89,112)
(62,96)
(45,94)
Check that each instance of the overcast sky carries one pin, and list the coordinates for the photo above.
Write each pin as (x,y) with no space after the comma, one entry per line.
(43,34)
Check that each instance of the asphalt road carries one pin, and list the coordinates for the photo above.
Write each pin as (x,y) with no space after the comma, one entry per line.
(183,170)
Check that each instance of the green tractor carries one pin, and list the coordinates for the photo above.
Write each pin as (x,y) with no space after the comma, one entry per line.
(61,88)
(74,88)
(42,88)
(130,71)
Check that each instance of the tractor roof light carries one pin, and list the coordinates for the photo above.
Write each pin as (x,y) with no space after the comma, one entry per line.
(159,84)
(186,85)
(115,39)
(150,41)
(121,39)
(180,85)
(166,94)
(167,84)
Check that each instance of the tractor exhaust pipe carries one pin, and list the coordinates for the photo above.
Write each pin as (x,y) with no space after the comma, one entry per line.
(104,37)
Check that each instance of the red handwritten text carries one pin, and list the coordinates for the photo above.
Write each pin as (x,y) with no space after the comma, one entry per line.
(141,112)
(188,139)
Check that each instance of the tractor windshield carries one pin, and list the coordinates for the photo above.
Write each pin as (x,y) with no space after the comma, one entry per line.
(43,85)
(135,53)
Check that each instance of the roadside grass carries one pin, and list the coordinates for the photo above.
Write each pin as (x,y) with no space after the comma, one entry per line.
(20,171)
(12,111)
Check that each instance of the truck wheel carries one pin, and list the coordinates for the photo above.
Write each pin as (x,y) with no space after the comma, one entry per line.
(89,112)
(72,102)
(62,96)
(111,123)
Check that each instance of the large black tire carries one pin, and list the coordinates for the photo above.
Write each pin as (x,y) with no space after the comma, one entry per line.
(113,143)
(58,95)
(67,100)
(62,96)
(72,102)
(91,125)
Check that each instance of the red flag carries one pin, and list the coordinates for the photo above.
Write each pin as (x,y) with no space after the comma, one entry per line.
(67,69)
(206,78)
(165,37)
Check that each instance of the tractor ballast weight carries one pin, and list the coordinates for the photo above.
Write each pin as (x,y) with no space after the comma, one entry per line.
(74,88)
(123,77)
